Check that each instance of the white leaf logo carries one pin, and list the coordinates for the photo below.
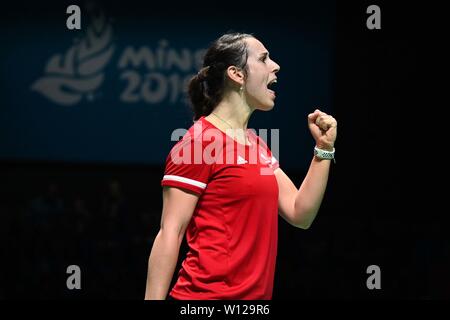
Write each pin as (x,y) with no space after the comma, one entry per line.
(67,79)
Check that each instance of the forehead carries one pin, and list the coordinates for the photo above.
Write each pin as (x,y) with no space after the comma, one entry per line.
(255,47)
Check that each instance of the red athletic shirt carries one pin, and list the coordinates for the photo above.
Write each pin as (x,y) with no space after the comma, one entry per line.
(232,236)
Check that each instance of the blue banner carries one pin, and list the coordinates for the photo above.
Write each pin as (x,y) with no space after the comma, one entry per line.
(114,91)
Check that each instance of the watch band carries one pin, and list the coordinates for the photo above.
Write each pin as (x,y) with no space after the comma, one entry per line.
(324,154)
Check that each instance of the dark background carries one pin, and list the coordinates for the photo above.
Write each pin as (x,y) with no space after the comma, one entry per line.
(104,215)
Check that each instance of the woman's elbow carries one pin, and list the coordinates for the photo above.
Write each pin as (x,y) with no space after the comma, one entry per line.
(170,236)
(303,217)
(303,225)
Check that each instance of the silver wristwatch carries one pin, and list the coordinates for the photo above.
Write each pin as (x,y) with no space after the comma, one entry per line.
(324,154)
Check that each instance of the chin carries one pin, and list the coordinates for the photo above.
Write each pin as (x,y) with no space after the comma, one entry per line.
(267,106)
(263,105)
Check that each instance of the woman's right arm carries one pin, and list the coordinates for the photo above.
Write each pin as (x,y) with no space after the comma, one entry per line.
(178,207)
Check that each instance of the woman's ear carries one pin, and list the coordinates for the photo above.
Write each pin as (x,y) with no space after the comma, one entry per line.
(236,75)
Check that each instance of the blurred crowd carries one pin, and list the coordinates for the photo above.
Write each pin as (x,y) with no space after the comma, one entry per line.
(107,227)
(106,232)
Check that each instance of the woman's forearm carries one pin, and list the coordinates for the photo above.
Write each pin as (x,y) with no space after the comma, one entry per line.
(161,264)
(311,192)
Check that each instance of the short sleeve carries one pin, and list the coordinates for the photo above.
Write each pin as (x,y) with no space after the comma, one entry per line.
(186,168)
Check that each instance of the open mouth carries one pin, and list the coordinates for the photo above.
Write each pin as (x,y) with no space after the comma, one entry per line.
(271,85)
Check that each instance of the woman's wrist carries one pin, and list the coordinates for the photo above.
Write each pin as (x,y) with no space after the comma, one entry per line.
(326,147)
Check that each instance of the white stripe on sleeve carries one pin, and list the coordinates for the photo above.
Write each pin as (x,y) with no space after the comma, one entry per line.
(185,180)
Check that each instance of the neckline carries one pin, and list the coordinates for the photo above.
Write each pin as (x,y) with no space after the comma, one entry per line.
(223,132)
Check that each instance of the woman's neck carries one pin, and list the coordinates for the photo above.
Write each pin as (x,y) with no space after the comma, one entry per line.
(234,112)
(232,116)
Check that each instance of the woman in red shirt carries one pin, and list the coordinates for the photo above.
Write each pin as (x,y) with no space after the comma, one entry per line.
(223,188)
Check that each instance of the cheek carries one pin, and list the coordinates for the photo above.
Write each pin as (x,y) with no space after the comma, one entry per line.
(256,86)
(255,92)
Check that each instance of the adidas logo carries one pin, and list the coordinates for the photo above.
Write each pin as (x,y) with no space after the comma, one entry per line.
(266,160)
(241,160)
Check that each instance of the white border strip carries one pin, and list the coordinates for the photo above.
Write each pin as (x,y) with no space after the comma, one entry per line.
(185,180)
